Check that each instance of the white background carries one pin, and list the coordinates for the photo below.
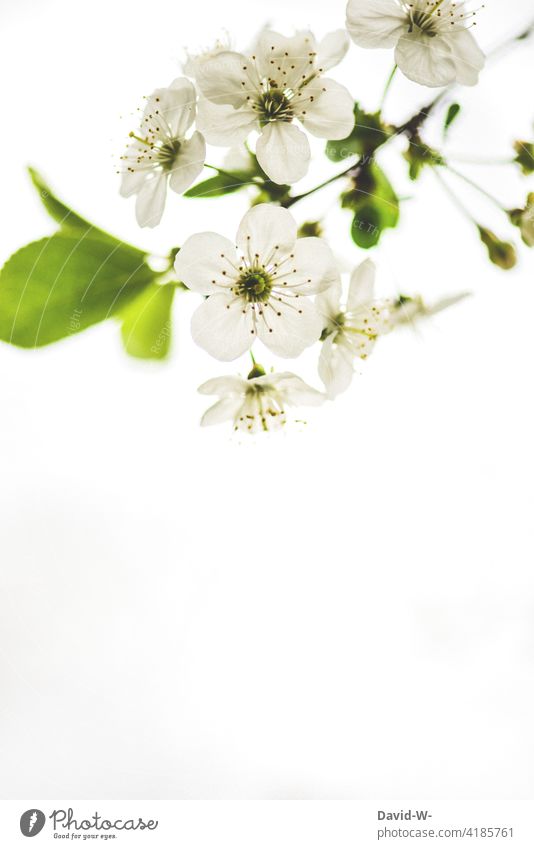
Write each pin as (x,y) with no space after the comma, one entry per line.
(343,611)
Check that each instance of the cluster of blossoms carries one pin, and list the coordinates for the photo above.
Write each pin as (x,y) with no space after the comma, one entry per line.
(270,285)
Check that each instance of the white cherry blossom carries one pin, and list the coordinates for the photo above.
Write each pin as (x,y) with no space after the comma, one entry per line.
(280,84)
(160,155)
(259,289)
(259,403)
(432,41)
(350,331)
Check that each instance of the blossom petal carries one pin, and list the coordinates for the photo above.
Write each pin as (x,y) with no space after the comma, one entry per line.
(427,61)
(226,78)
(295,391)
(375,23)
(225,126)
(332,49)
(330,114)
(188,164)
(336,368)
(328,303)
(224,326)
(311,268)
(151,201)
(224,410)
(206,263)
(228,385)
(288,60)
(362,285)
(176,104)
(267,232)
(283,152)
(467,55)
(132,180)
(290,325)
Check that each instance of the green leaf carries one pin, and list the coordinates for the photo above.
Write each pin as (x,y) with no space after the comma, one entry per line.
(418,155)
(366,226)
(59,211)
(525,156)
(146,323)
(368,135)
(375,205)
(222,184)
(70,220)
(451,116)
(60,285)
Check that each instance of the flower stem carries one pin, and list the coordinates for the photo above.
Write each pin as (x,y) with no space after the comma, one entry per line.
(290,201)
(467,160)
(387,87)
(476,186)
(453,196)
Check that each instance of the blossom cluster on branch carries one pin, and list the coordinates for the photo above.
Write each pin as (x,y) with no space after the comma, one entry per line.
(277,284)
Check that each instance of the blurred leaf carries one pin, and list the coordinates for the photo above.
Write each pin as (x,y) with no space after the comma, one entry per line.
(451,116)
(311,228)
(60,285)
(525,156)
(420,154)
(369,133)
(500,253)
(374,203)
(272,193)
(222,184)
(146,323)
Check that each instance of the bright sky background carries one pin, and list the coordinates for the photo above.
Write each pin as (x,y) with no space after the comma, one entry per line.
(343,611)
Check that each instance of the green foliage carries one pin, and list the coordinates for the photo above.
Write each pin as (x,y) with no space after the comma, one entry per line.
(66,217)
(500,253)
(525,156)
(368,135)
(374,203)
(419,155)
(222,184)
(310,228)
(272,193)
(451,116)
(146,323)
(60,285)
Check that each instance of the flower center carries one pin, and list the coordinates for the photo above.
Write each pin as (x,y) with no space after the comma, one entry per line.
(425,22)
(167,153)
(274,105)
(255,285)
(432,16)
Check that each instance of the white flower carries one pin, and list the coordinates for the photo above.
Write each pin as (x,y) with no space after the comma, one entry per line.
(259,291)
(351,332)
(160,154)
(257,404)
(407,310)
(280,84)
(433,45)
